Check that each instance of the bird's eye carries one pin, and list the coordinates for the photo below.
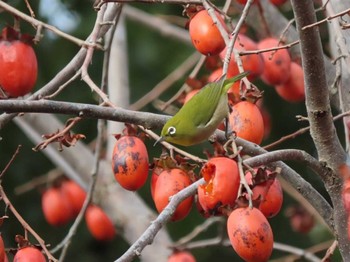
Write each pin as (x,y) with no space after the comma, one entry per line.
(171,131)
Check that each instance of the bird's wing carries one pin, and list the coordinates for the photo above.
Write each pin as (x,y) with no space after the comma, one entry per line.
(203,105)
(201,108)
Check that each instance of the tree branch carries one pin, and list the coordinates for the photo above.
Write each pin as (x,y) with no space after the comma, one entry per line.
(145,119)
(39,24)
(147,237)
(316,91)
(289,155)
(150,120)
(69,70)
(293,178)
(319,113)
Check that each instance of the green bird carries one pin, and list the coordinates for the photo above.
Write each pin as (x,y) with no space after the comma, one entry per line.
(197,120)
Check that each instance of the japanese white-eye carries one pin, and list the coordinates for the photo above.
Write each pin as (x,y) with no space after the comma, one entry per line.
(197,120)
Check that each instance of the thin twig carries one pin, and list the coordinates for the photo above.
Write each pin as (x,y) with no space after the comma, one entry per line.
(63,86)
(313,249)
(327,19)
(231,43)
(196,231)
(90,51)
(302,253)
(98,149)
(37,24)
(211,12)
(259,51)
(72,231)
(63,137)
(193,74)
(25,225)
(11,161)
(48,178)
(150,21)
(243,182)
(330,251)
(32,14)
(167,82)
(300,132)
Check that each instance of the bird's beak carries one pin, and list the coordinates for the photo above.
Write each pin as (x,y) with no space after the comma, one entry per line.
(160,139)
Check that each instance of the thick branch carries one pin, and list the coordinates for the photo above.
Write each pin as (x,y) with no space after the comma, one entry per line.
(145,119)
(317,96)
(157,121)
(319,113)
(292,177)
(288,155)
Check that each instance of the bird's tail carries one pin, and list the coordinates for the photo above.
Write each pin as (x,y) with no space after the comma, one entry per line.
(227,83)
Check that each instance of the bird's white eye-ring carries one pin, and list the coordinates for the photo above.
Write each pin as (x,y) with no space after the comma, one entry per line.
(171,130)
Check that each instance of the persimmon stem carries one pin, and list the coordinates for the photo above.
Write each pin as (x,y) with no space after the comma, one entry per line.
(243,181)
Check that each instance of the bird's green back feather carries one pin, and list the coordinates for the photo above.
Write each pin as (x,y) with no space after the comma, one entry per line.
(199,110)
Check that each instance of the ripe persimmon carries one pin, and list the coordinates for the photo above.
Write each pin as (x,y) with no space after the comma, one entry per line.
(170,182)
(181,256)
(293,90)
(277,62)
(56,207)
(130,162)
(273,200)
(222,183)
(252,63)
(247,122)
(250,234)
(29,253)
(278,2)
(99,224)
(74,193)
(205,35)
(18,63)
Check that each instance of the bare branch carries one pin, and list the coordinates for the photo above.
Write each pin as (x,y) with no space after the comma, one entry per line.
(327,19)
(180,2)
(317,97)
(38,24)
(302,253)
(68,71)
(289,155)
(163,85)
(159,24)
(25,225)
(147,237)
(319,113)
(148,120)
